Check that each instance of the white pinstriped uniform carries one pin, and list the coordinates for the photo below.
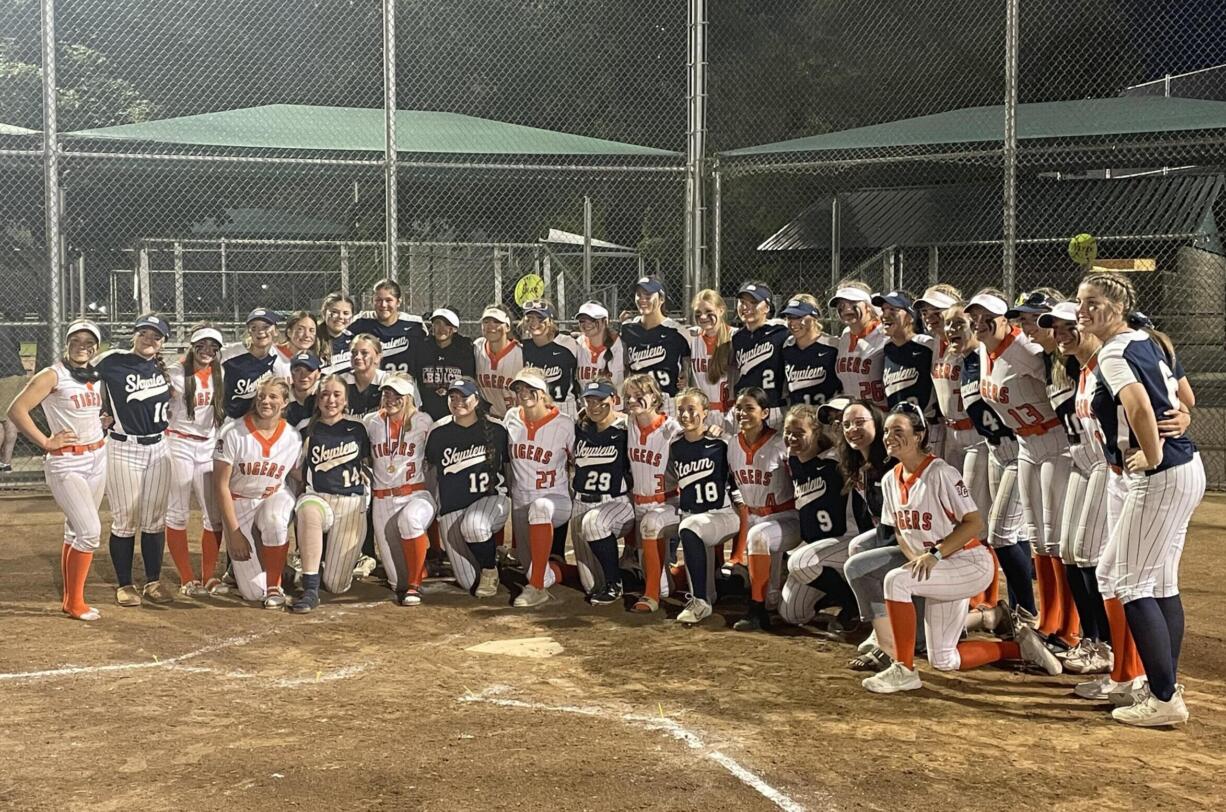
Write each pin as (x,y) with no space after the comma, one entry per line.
(280,367)
(595,366)
(344,519)
(77,479)
(540,490)
(262,503)
(924,508)
(495,373)
(718,393)
(860,363)
(761,474)
(403,506)
(654,494)
(959,433)
(600,458)
(191,440)
(1085,506)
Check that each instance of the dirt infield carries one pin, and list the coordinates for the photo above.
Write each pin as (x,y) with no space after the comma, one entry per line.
(365,705)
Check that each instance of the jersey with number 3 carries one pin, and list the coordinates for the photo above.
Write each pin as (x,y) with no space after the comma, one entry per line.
(648,448)
(258,464)
(540,451)
(1013,379)
(398,450)
(926,505)
(761,471)
(860,361)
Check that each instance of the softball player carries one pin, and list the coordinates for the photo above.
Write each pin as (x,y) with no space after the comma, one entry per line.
(601,356)
(699,464)
(245,364)
(332,342)
(469,453)
(542,443)
(137,394)
(555,354)
(75,465)
(300,336)
(499,359)
(809,358)
(333,503)
(711,353)
(195,415)
(254,457)
(758,460)
(655,343)
(930,309)
(906,368)
(1165,478)
(398,333)
(602,509)
(653,493)
(366,375)
(304,374)
(947,360)
(937,526)
(757,348)
(440,359)
(861,343)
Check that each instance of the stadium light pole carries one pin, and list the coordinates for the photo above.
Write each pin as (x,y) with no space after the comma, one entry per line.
(390,209)
(51,183)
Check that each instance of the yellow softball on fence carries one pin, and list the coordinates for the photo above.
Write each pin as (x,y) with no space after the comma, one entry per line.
(1083,249)
(529,287)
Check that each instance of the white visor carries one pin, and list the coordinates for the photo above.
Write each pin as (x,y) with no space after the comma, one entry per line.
(850,295)
(1065,311)
(531,379)
(941,301)
(497,314)
(593,310)
(84,325)
(993,304)
(399,384)
(207,332)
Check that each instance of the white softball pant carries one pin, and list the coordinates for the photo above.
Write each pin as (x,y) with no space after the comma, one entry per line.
(938,440)
(344,526)
(191,472)
(137,486)
(77,482)
(773,535)
(1006,514)
(714,528)
(957,441)
(593,521)
(1043,465)
(553,509)
(658,520)
(264,522)
(395,518)
(947,590)
(474,524)
(799,602)
(1084,524)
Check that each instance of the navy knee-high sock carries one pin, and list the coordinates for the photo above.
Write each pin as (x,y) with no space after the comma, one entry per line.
(605,550)
(673,544)
(1153,639)
(485,552)
(1172,611)
(123,550)
(1015,562)
(152,547)
(695,562)
(1097,607)
(1081,599)
(834,585)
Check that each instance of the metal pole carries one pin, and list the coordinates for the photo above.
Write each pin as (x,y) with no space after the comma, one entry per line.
(345,269)
(1009,233)
(836,242)
(144,283)
(81,285)
(51,183)
(717,219)
(498,274)
(391,211)
(179,308)
(934,264)
(695,146)
(587,247)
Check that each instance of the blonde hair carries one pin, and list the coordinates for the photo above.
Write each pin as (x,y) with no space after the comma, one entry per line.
(551,325)
(854,282)
(942,287)
(369,339)
(277,383)
(721,358)
(540,373)
(647,386)
(811,300)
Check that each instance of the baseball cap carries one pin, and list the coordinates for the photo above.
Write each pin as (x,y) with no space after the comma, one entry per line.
(399,384)
(263,314)
(850,295)
(446,315)
(894,298)
(305,358)
(937,299)
(540,308)
(1065,311)
(593,310)
(989,302)
(798,308)
(1031,303)
(759,293)
(599,389)
(465,386)
(497,314)
(650,284)
(206,332)
(832,408)
(530,378)
(84,326)
(1136,320)
(155,321)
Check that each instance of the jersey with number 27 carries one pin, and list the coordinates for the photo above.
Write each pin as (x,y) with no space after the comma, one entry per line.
(540,451)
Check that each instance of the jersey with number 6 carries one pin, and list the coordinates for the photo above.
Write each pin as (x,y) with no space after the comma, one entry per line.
(860,362)
(495,372)
(398,450)
(760,470)
(332,457)
(258,464)
(1013,379)
(825,511)
(718,393)
(602,460)
(540,451)
(468,461)
(926,505)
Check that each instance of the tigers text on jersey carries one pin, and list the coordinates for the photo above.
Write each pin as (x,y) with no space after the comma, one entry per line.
(660,350)
(466,470)
(435,367)
(983,417)
(200,422)
(758,358)
(947,384)
(1127,358)
(702,348)
(559,361)
(495,372)
(398,339)
(596,363)
(809,372)
(1090,449)
(859,363)
(602,460)
(258,464)
(1013,379)
(925,506)
(539,453)
(701,470)
(74,406)
(823,507)
(362,402)
(333,456)
(906,373)
(398,450)
(137,393)
(649,456)
(761,473)
(241,373)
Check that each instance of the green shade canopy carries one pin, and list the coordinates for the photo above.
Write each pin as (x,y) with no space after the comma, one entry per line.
(1085,118)
(12,129)
(300,128)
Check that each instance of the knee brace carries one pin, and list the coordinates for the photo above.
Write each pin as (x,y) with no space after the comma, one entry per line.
(314,500)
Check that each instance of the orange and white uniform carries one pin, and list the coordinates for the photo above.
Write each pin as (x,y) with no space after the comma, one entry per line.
(959,431)
(761,473)
(76,474)
(719,392)
(191,439)
(495,371)
(596,363)
(540,489)
(402,505)
(654,493)
(860,361)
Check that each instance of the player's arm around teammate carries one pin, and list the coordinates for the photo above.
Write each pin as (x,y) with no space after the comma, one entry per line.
(333,336)
(809,357)
(75,463)
(251,465)
(601,356)
(499,359)
(937,526)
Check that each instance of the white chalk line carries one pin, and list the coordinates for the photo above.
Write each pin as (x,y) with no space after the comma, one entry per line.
(662,723)
(319,677)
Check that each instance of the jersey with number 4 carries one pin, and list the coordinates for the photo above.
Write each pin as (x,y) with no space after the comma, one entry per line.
(1013,379)
(398,449)
(648,451)
(859,363)
(468,461)
(925,506)
(983,417)
(333,455)
(701,470)
(602,458)
(760,470)
(258,464)
(825,511)
(495,371)
(540,451)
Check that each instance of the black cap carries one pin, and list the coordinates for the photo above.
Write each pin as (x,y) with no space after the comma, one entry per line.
(757,290)
(598,389)
(896,299)
(306,358)
(1033,303)
(154,321)
(465,386)
(798,308)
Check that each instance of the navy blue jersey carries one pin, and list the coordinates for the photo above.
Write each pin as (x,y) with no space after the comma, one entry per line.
(435,367)
(809,373)
(468,461)
(241,373)
(820,500)
(758,358)
(662,350)
(361,402)
(602,462)
(333,456)
(700,468)
(137,393)
(1125,359)
(1063,399)
(298,413)
(398,339)
(986,422)
(560,365)
(338,356)
(907,374)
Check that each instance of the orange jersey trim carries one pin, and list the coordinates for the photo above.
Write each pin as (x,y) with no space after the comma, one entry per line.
(266,443)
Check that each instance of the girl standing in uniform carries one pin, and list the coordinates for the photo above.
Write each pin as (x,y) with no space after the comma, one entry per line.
(931,309)
(246,363)
(499,359)
(601,356)
(300,336)
(366,375)
(554,354)
(332,340)
(861,343)
(711,353)
(655,343)
(757,348)
(809,358)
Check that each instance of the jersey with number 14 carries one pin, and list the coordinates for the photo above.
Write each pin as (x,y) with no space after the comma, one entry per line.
(540,451)
(398,451)
(860,361)
(332,457)
(761,471)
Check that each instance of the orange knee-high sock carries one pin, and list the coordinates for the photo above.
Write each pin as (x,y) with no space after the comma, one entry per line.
(210,546)
(991,595)
(653,567)
(274,563)
(1120,638)
(759,576)
(974,653)
(436,541)
(902,622)
(1070,621)
(1049,596)
(742,538)
(415,559)
(64,548)
(176,542)
(76,567)
(540,541)
(1133,667)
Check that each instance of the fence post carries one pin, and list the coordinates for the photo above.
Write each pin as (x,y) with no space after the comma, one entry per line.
(587,248)
(344,269)
(717,217)
(836,242)
(144,283)
(695,146)
(390,208)
(179,281)
(1009,198)
(51,184)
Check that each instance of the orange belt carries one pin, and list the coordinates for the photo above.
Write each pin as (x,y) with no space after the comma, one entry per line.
(77,450)
(400,490)
(770,510)
(1115,469)
(964,424)
(654,499)
(186,436)
(1037,429)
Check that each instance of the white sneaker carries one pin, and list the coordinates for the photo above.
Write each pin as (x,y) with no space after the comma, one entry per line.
(1127,694)
(487,587)
(1096,689)
(531,596)
(365,566)
(193,589)
(1151,711)
(1034,652)
(1021,617)
(274,599)
(869,643)
(892,680)
(1094,658)
(696,611)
